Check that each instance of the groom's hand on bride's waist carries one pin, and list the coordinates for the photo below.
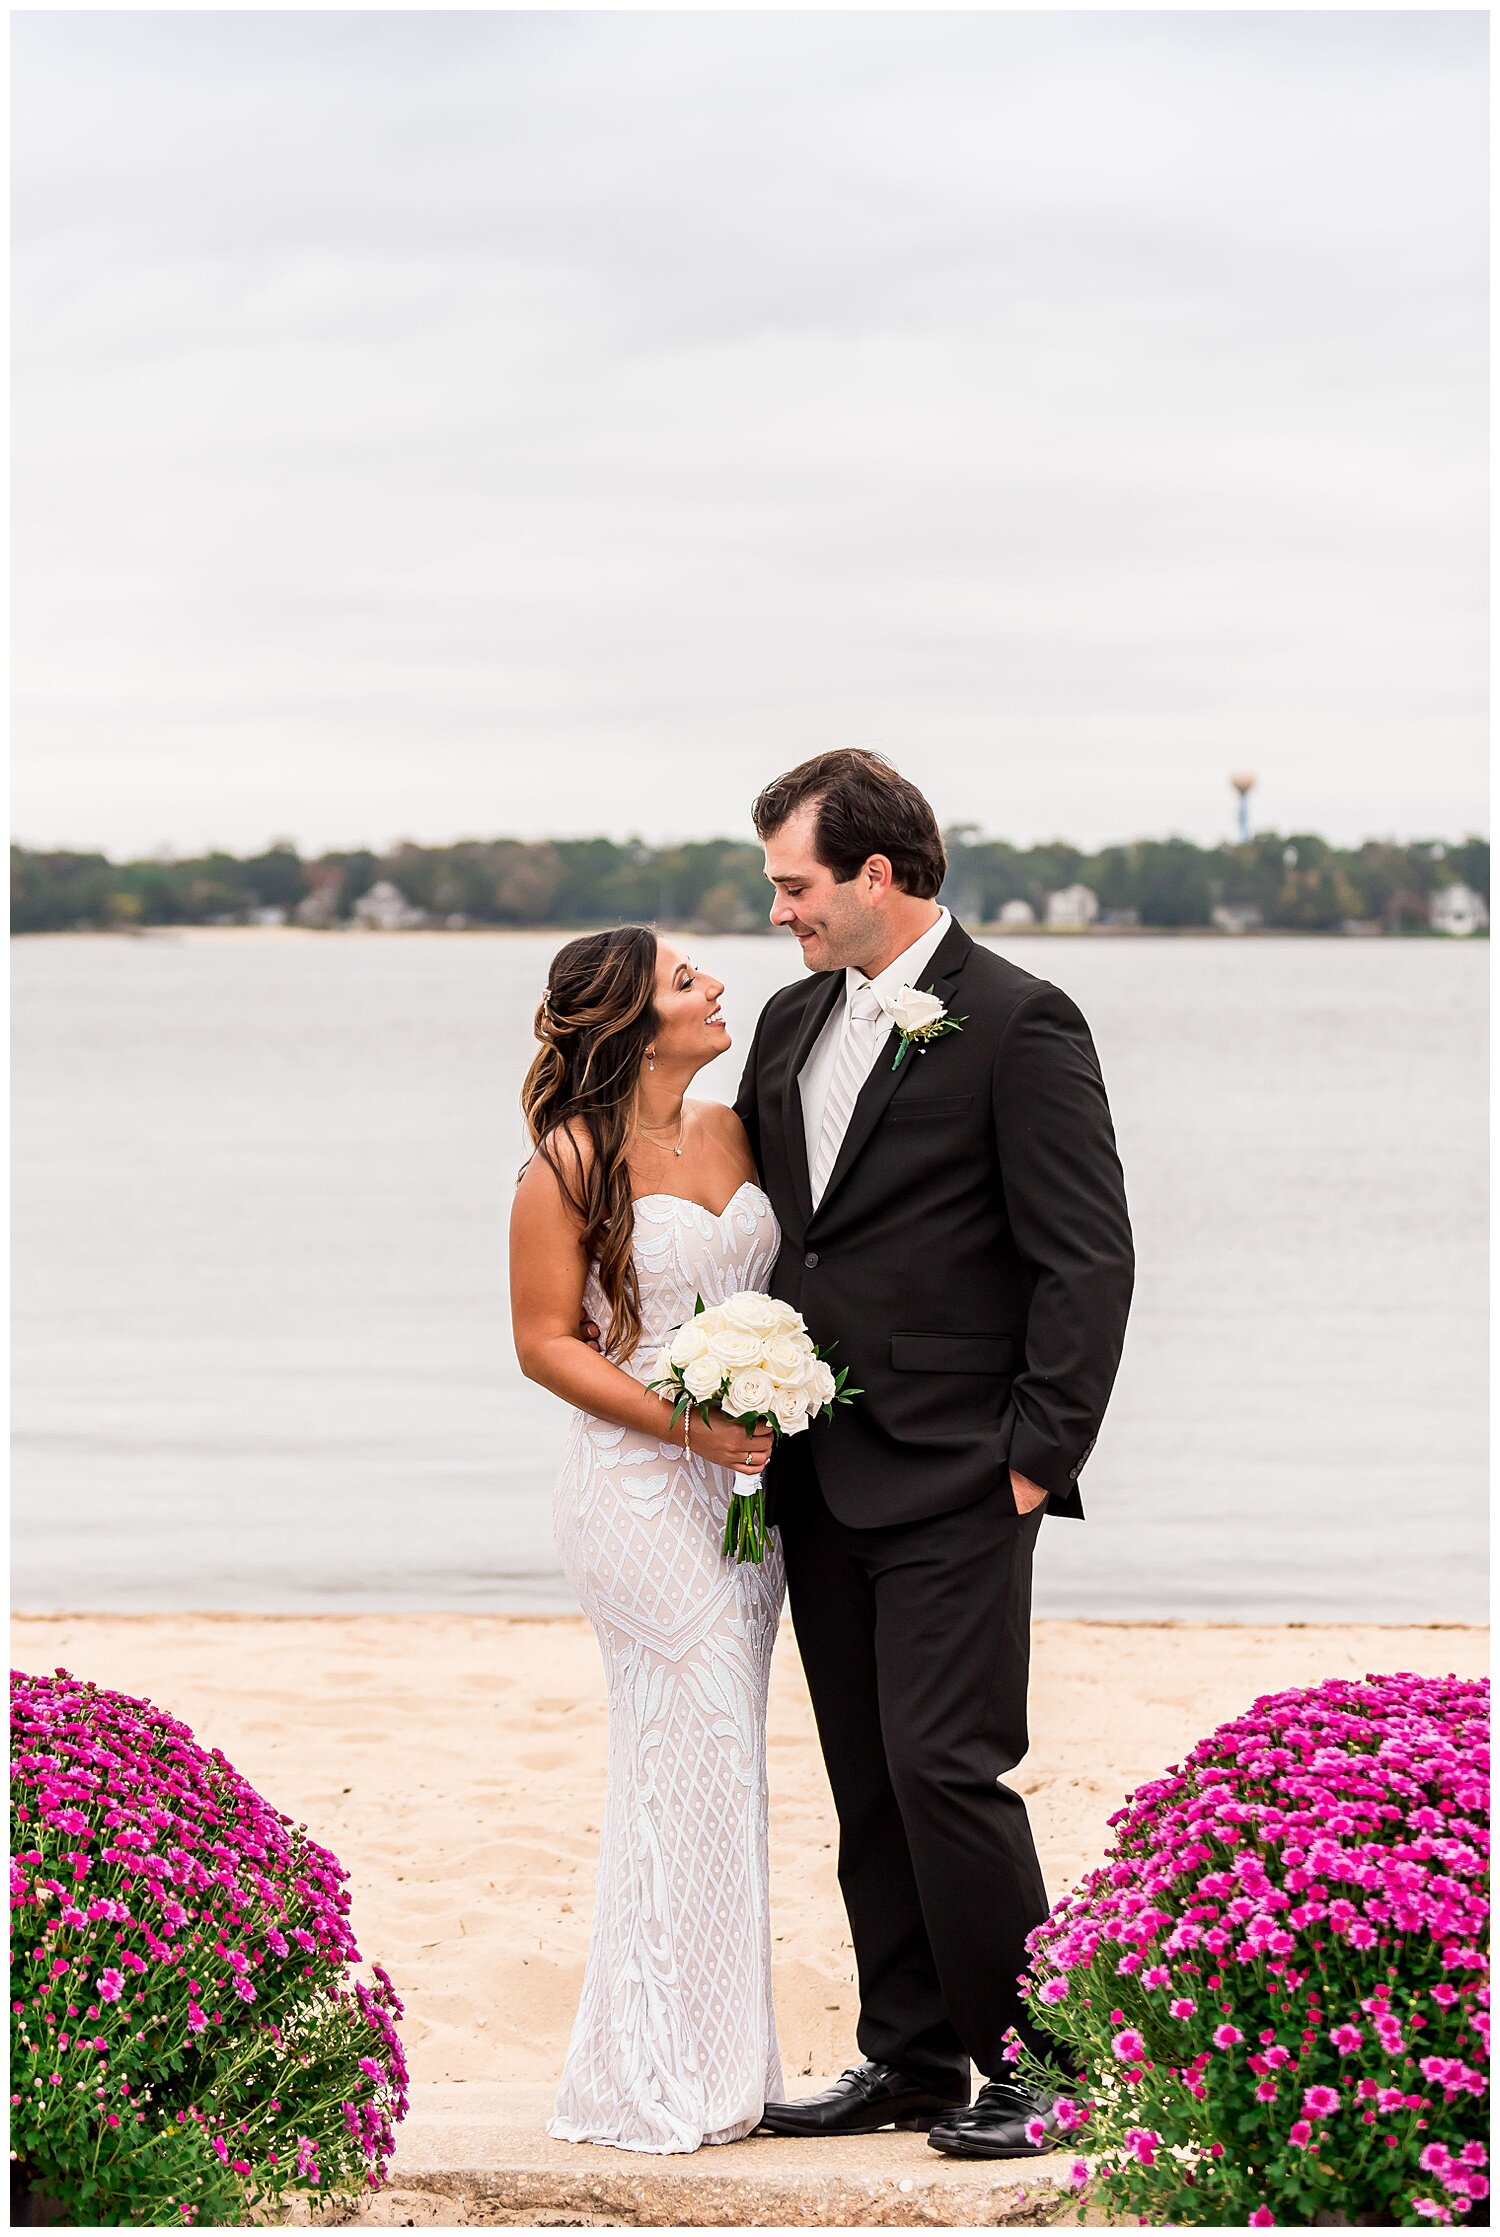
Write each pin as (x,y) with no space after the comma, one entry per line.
(1025,1493)
(588,1333)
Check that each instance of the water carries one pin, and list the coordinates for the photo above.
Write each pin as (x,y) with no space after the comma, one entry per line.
(262,1356)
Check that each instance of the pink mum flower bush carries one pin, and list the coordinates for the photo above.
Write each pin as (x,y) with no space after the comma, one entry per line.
(187,2041)
(1276,1985)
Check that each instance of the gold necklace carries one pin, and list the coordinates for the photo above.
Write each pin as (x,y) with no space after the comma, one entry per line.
(681,1125)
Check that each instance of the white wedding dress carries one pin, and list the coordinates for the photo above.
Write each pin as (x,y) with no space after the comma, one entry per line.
(675,2040)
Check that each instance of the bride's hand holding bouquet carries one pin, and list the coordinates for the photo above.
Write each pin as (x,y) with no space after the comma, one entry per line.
(715,1436)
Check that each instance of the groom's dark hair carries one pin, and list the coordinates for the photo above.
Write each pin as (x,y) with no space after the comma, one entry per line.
(864,807)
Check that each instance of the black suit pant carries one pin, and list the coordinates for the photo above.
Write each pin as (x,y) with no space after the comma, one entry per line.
(915,1640)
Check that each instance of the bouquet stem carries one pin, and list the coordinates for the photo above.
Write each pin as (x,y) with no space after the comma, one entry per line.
(745,1525)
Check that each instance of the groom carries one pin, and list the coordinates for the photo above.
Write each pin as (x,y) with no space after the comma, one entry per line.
(953,1219)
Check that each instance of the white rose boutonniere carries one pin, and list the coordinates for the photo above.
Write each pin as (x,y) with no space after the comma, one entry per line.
(919,1017)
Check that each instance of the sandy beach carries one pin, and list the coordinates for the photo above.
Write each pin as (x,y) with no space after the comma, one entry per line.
(455,1765)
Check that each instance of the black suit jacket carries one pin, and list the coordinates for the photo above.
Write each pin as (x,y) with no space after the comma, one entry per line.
(971,1256)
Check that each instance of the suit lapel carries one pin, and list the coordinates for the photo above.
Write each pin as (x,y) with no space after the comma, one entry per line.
(885,1079)
(819,1009)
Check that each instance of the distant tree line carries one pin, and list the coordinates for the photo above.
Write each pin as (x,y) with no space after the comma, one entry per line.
(1296,881)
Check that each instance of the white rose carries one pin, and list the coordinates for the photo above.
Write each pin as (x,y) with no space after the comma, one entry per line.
(783,1357)
(734,1348)
(702,1376)
(790,1407)
(820,1382)
(792,1426)
(911,1009)
(750,1393)
(752,1309)
(689,1343)
(663,1367)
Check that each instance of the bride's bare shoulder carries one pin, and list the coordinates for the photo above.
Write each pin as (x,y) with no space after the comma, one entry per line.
(561,1162)
(722,1125)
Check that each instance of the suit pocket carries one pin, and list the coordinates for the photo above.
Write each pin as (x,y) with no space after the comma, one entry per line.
(933,1353)
(911,1112)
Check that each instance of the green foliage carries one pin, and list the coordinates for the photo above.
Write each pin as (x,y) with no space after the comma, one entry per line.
(1298,882)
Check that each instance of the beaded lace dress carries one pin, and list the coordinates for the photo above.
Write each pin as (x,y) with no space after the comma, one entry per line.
(674,2044)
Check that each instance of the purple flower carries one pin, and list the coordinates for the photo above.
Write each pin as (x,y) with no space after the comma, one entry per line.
(173,1879)
(1325,1849)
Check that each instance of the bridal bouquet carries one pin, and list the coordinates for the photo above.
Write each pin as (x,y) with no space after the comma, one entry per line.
(752,1357)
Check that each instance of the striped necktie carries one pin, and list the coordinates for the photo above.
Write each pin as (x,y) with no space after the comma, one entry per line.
(865,1028)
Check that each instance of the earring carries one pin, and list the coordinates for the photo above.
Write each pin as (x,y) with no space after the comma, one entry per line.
(650,1060)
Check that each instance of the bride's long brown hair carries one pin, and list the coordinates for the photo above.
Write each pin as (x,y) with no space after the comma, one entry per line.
(595,1023)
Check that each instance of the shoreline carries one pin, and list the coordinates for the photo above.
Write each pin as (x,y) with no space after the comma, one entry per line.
(1006,932)
(573,1616)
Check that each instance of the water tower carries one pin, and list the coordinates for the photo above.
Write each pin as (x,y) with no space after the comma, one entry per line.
(1244,785)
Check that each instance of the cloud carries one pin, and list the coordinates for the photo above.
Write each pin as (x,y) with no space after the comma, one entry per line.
(430,424)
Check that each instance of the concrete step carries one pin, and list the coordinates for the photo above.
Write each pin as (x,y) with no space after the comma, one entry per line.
(481,2158)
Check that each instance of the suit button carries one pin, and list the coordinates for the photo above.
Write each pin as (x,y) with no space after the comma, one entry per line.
(811,1259)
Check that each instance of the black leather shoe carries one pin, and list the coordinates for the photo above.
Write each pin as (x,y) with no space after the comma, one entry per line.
(994,2126)
(863,2098)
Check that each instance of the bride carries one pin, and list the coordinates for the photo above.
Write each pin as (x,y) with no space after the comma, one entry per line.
(635,1203)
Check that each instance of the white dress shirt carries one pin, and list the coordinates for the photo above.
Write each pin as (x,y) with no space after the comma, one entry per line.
(907,969)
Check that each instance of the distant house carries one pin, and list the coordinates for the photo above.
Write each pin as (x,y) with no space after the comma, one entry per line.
(1073,909)
(385,908)
(1238,916)
(1459,910)
(319,907)
(1017,913)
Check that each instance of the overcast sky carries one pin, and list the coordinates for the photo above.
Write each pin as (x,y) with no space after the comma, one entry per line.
(447,425)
